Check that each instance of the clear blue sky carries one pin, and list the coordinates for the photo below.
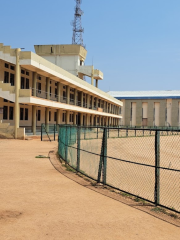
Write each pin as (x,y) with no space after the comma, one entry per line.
(136,43)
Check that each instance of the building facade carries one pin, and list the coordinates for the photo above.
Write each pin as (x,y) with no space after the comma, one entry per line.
(149,108)
(49,87)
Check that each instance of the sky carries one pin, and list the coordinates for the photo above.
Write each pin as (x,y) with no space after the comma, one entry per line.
(135,43)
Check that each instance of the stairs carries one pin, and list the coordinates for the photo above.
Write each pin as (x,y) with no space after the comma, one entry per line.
(7,91)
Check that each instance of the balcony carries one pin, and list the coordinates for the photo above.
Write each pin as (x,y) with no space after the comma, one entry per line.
(62,99)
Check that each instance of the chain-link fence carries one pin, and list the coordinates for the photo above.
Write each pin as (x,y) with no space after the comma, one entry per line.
(49,132)
(142,162)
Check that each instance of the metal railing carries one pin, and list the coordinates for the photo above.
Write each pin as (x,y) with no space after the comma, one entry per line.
(142,162)
(63,99)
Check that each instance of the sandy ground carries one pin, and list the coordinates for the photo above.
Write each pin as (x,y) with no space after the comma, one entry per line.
(37,202)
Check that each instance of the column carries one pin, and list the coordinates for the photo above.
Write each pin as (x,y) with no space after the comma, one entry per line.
(88,100)
(34,119)
(48,87)
(17,87)
(96,102)
(103,122)
(34,84)
(67,117)
(87,119)
(97,83)
(74,118)
(59,91)
(58,116)
(47,119)
(81,99)
(75,97)
(92,102)
(81,119)
(107,121)
(68,94)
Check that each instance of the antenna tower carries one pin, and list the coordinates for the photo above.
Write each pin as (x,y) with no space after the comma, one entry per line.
(77,26)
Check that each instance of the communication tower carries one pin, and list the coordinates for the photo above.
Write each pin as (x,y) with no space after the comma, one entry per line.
(77,26)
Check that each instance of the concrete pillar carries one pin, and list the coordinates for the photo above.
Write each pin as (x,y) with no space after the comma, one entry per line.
(17,87)
(81,99)
(81,119)
(48,87)
(96,102)
(74,118)
(75,97)
(92,76)
(107,121)
(110,107)
(103,122)
(97,83)
(87,119)
(96,120)
(67,117)
(34,83)
(47,116)
(92,102)
(58,116)
(34,119)
(68,94)
(88,100)
(59,91)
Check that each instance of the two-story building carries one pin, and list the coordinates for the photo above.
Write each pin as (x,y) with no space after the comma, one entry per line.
(49,87)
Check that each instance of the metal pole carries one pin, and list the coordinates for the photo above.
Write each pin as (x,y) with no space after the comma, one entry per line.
(78,148)
(157,166)
(41,132)
(54,132)
(104,155)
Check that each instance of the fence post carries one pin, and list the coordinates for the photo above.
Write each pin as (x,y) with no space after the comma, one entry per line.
(41,132)
(66,144)
(78,148)
(97,132)
(157,166)
(104,155)
(118,132)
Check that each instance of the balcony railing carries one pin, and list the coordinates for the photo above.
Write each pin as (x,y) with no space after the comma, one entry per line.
(63,99)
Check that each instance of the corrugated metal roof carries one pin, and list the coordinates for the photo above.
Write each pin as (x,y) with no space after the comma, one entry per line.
(145,94)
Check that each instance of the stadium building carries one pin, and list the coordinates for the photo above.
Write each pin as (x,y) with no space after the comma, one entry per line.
(49,87)
(149,108)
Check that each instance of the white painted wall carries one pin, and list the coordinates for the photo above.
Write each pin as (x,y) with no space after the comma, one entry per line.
(145,109)
(169,107)
(69,63)
(156,117)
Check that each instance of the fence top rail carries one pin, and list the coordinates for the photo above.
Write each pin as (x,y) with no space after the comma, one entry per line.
(169,129)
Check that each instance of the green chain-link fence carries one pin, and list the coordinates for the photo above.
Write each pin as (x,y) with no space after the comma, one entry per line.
(142,162)
(49,132)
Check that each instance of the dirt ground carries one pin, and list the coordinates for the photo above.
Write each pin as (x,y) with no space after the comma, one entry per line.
(37,202)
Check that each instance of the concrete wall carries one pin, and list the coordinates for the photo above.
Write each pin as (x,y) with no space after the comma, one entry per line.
(151,106)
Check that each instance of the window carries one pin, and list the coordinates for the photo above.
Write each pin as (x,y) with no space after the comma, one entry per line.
(64,87)
(12,79)
(21,113)
(27,73)
(5,112)
(12,67)
(56,84)
(27,83)
(22,82)
(39,115)
(50,91)
(39,78)
(26,113)
(71,97)
(5,100)
(11,113)
(39,87)
(6,65)
(64,95)
(49,115)
(6,77)
(55,116)
(22,71)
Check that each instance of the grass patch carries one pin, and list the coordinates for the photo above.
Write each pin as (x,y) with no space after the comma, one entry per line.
(158,210)
(41,156)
